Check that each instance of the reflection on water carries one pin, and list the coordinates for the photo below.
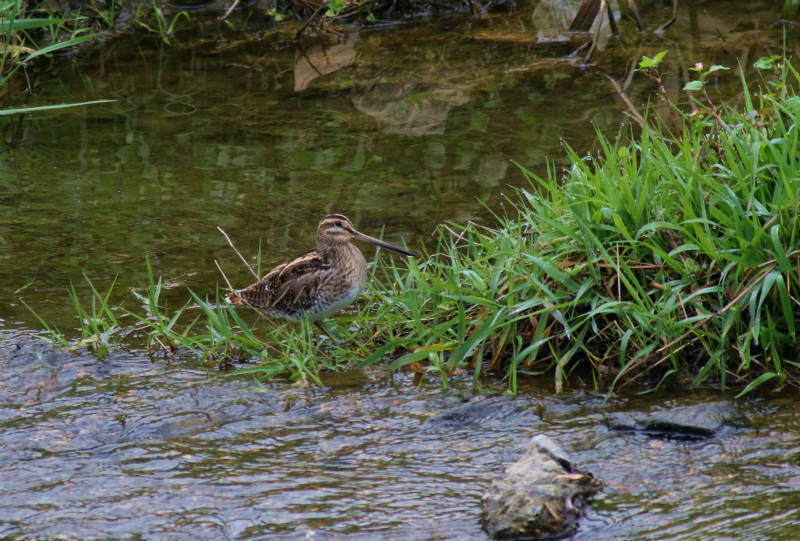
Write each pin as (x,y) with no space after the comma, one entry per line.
(402,129)
(322,59)
(131,447)
(410,109)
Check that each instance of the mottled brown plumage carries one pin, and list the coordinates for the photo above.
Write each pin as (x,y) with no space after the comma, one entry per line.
(316,283)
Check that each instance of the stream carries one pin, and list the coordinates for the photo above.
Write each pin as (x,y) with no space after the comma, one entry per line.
(401,129)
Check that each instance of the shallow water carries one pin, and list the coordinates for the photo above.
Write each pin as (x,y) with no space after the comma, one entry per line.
(131,447)
(401,129)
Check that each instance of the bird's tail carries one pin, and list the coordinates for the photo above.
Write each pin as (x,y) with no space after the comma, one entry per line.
(234,298)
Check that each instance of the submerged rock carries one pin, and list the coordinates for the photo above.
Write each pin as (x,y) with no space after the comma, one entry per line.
(698,421)
(540,495)
(481,413)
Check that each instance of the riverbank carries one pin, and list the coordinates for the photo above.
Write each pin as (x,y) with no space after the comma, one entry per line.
(32,33)
(669,257)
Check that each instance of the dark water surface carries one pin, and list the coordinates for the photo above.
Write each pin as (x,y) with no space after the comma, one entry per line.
(401,129)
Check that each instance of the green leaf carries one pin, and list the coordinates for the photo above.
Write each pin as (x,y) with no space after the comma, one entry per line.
(766,62)
(28,24)
(58,46)
(646,62)
(334,7)
(756,382)
(693,85)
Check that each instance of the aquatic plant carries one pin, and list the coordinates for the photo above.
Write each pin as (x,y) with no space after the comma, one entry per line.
(99,330)
(23,40)
(165,27)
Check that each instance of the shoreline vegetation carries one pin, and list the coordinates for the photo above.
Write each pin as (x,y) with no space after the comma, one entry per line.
(31,32)
(672,257)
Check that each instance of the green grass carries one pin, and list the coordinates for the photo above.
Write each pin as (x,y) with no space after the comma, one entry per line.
(28,33)
(164,26)
(98,327)
(665,258)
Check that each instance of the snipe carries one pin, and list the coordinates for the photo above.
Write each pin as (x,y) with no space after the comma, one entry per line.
(316,283)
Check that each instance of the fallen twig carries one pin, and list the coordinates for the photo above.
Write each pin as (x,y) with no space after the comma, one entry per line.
(230,9)
(230,243)
(631,108)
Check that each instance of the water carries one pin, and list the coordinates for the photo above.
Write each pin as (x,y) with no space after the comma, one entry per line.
(132,447)
(407,129)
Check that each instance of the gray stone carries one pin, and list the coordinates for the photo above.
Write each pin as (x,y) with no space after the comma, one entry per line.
(698,421)
(481,413)
(540,495)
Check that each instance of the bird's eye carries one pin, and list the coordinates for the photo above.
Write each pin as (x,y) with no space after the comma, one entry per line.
(338,224)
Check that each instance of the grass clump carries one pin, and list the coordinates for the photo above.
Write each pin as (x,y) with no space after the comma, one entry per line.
(99,328)
(669,257)
(203,329)
(28,33)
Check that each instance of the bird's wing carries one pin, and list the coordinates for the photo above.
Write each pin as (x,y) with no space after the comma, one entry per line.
(292,283)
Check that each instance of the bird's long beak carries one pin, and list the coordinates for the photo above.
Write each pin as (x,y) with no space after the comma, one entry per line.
(373,240)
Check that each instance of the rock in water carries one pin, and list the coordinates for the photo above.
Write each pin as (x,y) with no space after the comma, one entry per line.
(540,495)
(694,422)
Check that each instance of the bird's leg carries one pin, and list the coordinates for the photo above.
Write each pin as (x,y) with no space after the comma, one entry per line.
(337,341)
(334,338)
(326,332)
